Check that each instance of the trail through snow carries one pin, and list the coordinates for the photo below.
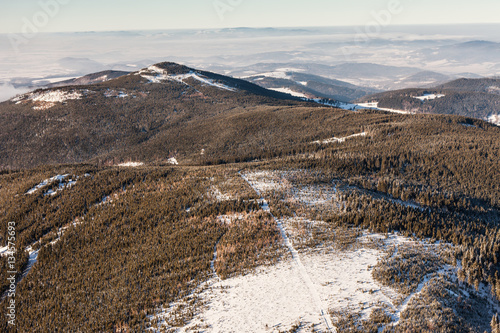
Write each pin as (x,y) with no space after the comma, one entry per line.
(298,263)
(406,302)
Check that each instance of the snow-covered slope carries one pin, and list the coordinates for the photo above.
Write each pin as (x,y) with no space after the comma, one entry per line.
(156,74)
(289,91)
(46,99)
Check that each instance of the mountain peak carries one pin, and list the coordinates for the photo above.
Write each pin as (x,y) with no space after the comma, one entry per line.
(173,68)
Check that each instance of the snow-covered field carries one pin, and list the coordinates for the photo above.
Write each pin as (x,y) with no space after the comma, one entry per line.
(278,297)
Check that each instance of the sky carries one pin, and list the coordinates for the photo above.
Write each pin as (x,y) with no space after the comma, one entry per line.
(17,16)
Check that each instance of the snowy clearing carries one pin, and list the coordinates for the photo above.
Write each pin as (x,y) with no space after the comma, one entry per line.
(428,97)
(230,219)
(318,285)
(317,196)
(317,302)
(263,181)
(289,91)
(276,298)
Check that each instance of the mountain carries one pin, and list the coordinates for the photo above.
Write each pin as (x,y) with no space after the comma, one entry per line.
(163,111)
(174,199)
(484,85)
(424,79)
(361,76)
(90,79)
(477,98)
(310,86)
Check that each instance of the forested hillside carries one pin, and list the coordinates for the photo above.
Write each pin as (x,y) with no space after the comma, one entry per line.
(304,217)
(477,98)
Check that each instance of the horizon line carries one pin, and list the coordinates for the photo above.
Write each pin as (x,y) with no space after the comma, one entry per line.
(261,28)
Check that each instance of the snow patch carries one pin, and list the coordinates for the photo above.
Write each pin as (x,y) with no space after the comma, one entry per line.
(263,181)
(117,94)
(230,219)
(173,161)
(428,97)
(32,259)
(44,100)
(289,91)
(374,106)
(218,196)
(494,119)
(340,140)
(4,251)
(48,181)
(131,164)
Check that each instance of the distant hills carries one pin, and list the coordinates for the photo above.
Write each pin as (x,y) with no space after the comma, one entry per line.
(172,112)
(311,86)
(477,98)
(361,76)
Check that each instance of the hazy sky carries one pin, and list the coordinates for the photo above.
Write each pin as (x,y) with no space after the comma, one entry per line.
(107,15)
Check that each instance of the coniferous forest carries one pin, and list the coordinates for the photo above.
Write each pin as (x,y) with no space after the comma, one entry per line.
(115,243)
